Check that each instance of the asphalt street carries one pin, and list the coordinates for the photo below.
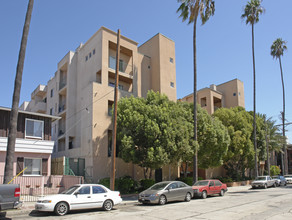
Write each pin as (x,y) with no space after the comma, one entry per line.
(238,203)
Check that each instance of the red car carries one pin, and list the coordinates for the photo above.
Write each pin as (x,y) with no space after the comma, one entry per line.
(203,188)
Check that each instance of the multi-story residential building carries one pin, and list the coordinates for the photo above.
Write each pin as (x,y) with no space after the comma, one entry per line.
(33,147)
(81,93)
(226,95)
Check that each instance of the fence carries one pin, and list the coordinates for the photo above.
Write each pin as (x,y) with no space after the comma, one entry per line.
(31,188)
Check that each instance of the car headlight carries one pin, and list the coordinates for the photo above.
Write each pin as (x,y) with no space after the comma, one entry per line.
(46,201)
(154,195)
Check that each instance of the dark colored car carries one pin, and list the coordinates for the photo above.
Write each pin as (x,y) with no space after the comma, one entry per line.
(203,188)
(9,196)
(166,191)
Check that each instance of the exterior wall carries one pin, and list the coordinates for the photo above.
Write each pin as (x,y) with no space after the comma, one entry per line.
(89,91)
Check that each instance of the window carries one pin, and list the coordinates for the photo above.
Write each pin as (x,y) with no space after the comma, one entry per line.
(86,58)
(112,64)
(171,59)
(239,94)
(97,189)
(33,166)
(52,93)
(172,84)
(217,183)
(234,94)
(173,186)
(34,128)
(84,190)
(111,84)
(93,52)
(90,55)
(110,107)
(211,183)
(51,111)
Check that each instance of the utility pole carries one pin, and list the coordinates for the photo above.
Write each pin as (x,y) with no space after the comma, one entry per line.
(114,137)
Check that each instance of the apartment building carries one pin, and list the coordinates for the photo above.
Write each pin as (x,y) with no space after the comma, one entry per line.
(82,93)
(226,95)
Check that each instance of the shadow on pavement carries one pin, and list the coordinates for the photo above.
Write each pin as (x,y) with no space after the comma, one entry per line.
(3,216)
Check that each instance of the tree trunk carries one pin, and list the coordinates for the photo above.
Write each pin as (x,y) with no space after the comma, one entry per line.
(195,165)
(8,172)
(254,108)
(285,168)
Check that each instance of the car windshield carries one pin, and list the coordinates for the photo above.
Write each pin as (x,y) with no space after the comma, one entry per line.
(159,186)
(201,183)
(70,190)
(276,177)
(289,176)
(261,178)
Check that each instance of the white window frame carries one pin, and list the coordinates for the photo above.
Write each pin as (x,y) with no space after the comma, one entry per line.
(41,166)
(34,137)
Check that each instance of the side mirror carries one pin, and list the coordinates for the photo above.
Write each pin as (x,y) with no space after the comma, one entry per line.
(76,193)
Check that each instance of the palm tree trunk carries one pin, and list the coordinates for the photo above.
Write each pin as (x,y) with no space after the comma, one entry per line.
(254,106)
(8,172)
(195,160)
(285,167)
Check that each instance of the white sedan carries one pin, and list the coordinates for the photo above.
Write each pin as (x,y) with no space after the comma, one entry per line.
(81,196)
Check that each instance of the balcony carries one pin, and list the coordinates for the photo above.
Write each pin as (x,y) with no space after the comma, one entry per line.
(40,107)
(41,90)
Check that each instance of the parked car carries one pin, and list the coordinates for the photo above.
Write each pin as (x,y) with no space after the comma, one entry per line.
(166,191)
(203,188)
(288,178)
(81,196)
(9,196)
(263,182)
(280,180)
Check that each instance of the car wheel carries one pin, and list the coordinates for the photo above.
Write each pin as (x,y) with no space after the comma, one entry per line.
(274,185)
(285,184)
(265,186)
(253,187)
(221,192)
(204,195)
(188,197)
(162,200)
(61,208)
(107,205)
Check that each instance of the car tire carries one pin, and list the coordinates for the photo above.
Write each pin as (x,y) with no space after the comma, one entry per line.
(107,205)
(275,185)
(162,200)
(253,187)
(222,192)
(188,197)
(61,208)
(265,186)
(204,195)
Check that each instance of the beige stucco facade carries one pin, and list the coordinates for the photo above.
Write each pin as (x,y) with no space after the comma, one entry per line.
(81,93)
(227,95)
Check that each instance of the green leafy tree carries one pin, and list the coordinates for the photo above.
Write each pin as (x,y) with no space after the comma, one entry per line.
(252,11)
(190,10)
(240,152)
(275,170)
(8,172)
(277,50)
(153,132)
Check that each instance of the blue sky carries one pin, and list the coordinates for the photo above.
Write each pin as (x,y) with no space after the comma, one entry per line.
(223,43)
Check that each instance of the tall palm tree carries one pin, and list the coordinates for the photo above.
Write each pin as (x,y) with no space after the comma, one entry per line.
(190,10)
(8,172)
(277,50)
(252,11)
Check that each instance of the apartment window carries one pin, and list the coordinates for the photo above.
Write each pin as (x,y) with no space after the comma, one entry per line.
(172,84)
(90,55)
(110,107)
(239,94)
(34,128)
(112,64)
(111,84)
(93,52)
(171,59)
(52,93)
(51,111)
(234,94)
(34,166)
(86,58)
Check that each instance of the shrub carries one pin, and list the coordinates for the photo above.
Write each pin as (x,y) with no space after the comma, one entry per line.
(146,183)
(275,170)
(126,185)
(187,180)
(105,182)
